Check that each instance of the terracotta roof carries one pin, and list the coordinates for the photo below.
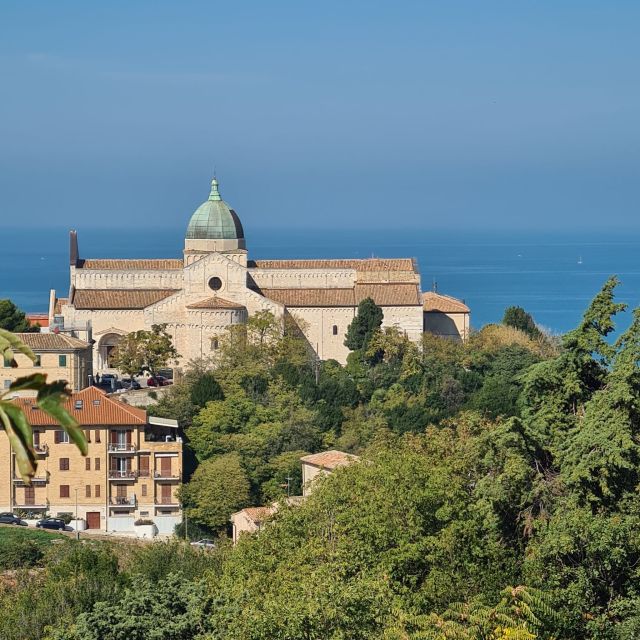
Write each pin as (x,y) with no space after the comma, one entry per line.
(311,297)
(215,303)
(386,295)
(258,514)
(389,295)
(60,302)
(433,301)
(38,319)
(119,298)
(161,264)
(330,459)
(97,409)
(51,342)
(367,264)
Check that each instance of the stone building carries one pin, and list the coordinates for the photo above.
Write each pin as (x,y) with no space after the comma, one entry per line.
(215,285)
(318,465)
(445,316)
(60,357)
(132,470)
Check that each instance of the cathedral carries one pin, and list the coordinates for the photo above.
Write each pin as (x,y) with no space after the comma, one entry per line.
(216,285)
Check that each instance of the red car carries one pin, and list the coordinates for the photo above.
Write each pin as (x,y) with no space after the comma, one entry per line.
(158,381)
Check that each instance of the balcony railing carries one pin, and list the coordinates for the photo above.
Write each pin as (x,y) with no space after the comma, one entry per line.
(41,449)
(144,473)
(23,506)
(166,475)
(167,502)
(127,474)
(41,479)
(123,501)
(117,447)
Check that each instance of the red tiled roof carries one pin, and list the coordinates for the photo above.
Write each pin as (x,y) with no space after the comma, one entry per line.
(41,319)
(330,459)
(367,264)
(385,295)
(161,264)
(258,514)
(51,342)
(97,409)
(215,303)
(433,301)
(119,298)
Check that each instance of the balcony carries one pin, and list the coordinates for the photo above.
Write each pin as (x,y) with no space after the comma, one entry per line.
(123,501)
(23,506)
(127,474)
(117,447)
(41,449)
(41,479)
(166,476)
(167,502)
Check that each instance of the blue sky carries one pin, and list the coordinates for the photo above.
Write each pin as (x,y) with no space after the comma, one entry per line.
(417,115)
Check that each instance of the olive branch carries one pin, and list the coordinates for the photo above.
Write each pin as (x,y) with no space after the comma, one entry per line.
(50,399)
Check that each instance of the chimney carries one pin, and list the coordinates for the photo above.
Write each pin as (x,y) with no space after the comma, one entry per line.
(74,256)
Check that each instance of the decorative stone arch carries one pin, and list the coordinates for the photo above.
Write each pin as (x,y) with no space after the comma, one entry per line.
(106,345)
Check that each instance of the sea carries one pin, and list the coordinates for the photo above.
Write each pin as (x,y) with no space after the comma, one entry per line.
(552,275)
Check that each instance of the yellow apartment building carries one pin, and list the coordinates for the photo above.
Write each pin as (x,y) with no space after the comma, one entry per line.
(59,356)
(133,468)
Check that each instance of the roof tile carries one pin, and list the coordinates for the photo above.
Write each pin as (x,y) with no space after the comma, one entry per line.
(215,303)
(433,301)
(119,298)
(51,342)
(330,459)
(161,264)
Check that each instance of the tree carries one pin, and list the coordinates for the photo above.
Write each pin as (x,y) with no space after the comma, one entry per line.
(367,321)
(205,389)
(145,350)
(218,488)
(517,317)
(14,320)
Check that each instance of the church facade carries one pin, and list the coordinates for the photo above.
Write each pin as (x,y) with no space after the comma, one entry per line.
(216,285)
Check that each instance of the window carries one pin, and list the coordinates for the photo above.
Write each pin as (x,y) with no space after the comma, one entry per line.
(96,464)
(78,404)
(97,435)
(87,491)
(61,437)
(8,361)
(64,490)
(335,329)
(215,283)
(7,384)
(97,491)
(87,464)
(38,362)
(62,361)
(64,464)
(87,435)
(214,344)
(144,489)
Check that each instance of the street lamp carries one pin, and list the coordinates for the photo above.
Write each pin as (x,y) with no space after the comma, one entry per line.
(77,525)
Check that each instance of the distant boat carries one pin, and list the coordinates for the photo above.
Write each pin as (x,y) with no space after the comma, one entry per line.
(579,259)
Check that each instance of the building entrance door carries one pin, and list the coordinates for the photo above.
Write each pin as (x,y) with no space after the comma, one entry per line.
(93,520)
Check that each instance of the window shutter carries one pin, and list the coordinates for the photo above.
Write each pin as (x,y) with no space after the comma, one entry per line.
(56,436)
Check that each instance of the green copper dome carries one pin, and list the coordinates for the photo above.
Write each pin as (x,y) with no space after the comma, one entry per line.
(214,219)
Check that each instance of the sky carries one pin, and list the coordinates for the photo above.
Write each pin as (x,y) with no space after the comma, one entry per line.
(345,114)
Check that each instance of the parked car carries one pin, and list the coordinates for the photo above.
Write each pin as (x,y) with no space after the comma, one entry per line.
(9,518)
(129,383)
(51,523)
(158,381)
(205,543)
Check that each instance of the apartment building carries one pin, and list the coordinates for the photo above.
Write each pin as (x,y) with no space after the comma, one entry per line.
(59,356)
(133,468)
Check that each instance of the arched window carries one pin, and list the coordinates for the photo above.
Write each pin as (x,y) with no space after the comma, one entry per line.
(335,329)
(214,344)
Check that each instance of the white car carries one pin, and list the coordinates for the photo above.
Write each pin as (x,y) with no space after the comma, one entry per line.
(205,543)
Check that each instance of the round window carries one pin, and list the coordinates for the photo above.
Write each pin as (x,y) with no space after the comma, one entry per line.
(215,283)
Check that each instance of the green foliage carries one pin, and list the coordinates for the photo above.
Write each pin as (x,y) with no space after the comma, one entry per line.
(13,319)
(518,318)
(218,488)
(171,609)
(362,328)
(205,389)
(145,350)
(19,551)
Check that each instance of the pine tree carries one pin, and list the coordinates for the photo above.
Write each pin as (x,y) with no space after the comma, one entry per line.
(367,321)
